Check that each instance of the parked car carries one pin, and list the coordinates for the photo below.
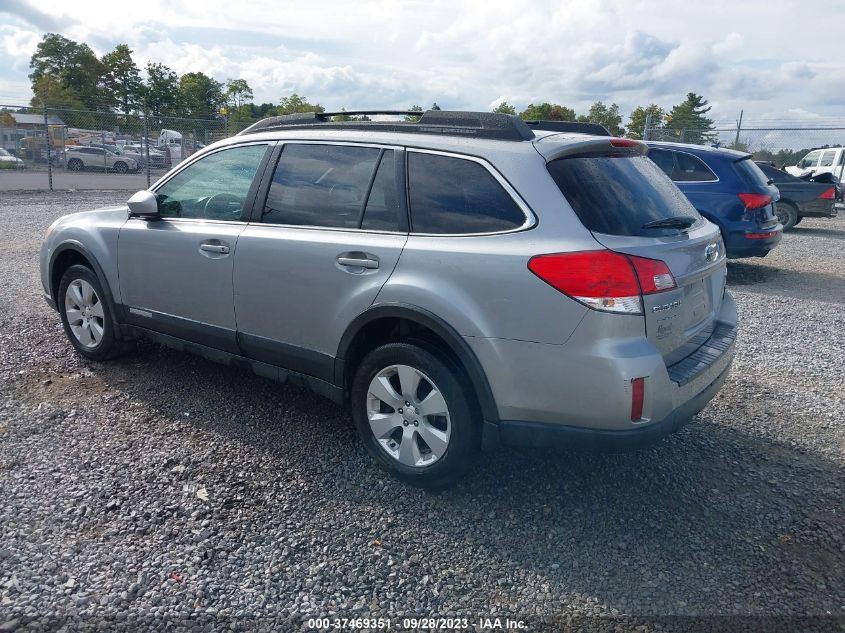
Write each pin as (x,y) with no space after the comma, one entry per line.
(800,198)
(9,160)
(727,188)
(156,156)
(462,282)
(82,157)
(830,160)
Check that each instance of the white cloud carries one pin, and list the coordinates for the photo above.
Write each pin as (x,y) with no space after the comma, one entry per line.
(472,54)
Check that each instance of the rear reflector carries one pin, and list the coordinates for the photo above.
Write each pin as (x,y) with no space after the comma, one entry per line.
(604,280)
(637,395)
(755,200)
(760,236)
(830,194)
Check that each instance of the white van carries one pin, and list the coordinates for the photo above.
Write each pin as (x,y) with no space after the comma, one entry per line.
(820,161)
(172,140)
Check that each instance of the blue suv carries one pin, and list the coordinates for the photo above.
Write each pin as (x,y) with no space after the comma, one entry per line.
(727,188)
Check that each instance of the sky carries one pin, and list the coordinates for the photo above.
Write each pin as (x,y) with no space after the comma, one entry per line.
(774,59)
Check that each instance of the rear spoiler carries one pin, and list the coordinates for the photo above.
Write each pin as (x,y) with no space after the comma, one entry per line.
(569,126)
(609,146)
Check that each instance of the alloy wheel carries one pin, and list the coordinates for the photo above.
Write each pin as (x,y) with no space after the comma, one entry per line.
(84,312)
(408,416)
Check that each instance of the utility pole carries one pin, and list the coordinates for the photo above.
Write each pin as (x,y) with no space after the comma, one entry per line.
(738,129)
(49,153)
(647,127)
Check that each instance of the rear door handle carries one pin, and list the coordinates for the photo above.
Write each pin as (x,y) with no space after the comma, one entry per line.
(215,248)
(357,262)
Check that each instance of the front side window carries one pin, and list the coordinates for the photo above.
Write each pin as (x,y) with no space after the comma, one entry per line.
(458,196)
(809,160)
(334,186)
(213,188)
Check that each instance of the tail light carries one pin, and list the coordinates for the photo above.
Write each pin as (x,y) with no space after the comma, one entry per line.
(830,194)
(604,280)
(637,397)
(755,200)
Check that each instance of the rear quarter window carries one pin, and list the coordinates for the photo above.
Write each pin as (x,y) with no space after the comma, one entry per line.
(751,173)
(617,196)
(453,196)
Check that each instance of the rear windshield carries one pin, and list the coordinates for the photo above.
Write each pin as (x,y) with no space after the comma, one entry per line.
(618,196)
(751,173)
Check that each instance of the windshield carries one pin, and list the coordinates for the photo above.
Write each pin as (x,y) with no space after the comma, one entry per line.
(620,196)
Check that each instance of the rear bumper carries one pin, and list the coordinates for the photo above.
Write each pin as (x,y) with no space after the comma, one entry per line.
(545,435)
(749,244)
(583,388)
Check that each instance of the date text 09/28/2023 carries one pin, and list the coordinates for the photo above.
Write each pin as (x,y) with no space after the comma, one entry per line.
(417,624)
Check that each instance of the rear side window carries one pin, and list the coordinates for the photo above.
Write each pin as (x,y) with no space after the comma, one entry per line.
(751,173)
(777,175)
(458,196)
(618,196)
(320,185)
(827,158)
(681,167)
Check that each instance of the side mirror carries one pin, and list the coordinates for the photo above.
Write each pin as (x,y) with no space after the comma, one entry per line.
(143,204)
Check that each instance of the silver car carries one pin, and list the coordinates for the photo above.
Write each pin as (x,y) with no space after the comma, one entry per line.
(82,157)
(463,282)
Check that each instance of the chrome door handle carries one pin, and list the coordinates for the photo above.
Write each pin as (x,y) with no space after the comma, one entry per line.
(358,262)
(215,248)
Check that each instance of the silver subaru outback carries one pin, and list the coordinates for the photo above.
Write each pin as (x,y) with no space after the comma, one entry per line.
(461,282)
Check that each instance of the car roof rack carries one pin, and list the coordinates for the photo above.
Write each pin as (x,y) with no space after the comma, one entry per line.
(569,126)
(489,125)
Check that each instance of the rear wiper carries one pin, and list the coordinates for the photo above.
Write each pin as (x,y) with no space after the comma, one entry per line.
(670,223)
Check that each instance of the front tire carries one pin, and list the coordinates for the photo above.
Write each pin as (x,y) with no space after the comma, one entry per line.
(86,317)
(787,214)
(121,167)
(74,164)
(414,415)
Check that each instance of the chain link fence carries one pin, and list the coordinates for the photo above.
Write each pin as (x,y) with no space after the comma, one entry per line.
(61,148)
(783,143)
(47,147)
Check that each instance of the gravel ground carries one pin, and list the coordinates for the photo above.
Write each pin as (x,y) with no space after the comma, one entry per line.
(161,488)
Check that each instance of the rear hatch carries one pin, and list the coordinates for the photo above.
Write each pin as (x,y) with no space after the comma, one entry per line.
(756,183)
(632,207)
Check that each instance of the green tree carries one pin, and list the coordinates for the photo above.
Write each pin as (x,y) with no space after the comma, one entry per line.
(161,91)
(608,116)
(636,124)
(238,92)
(434,106)
(413,118)
(296,103)
(504,108)
(688,122)
(72,66)
(200,96)
(123,78)
(547,112)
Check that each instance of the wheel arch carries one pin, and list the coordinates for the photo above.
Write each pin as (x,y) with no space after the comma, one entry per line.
(353,346)
(70,253)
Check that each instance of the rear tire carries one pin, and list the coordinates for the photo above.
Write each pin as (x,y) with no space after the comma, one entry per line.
(787,214)
(86,317)
(74,164)
(414,416)
(798,221)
